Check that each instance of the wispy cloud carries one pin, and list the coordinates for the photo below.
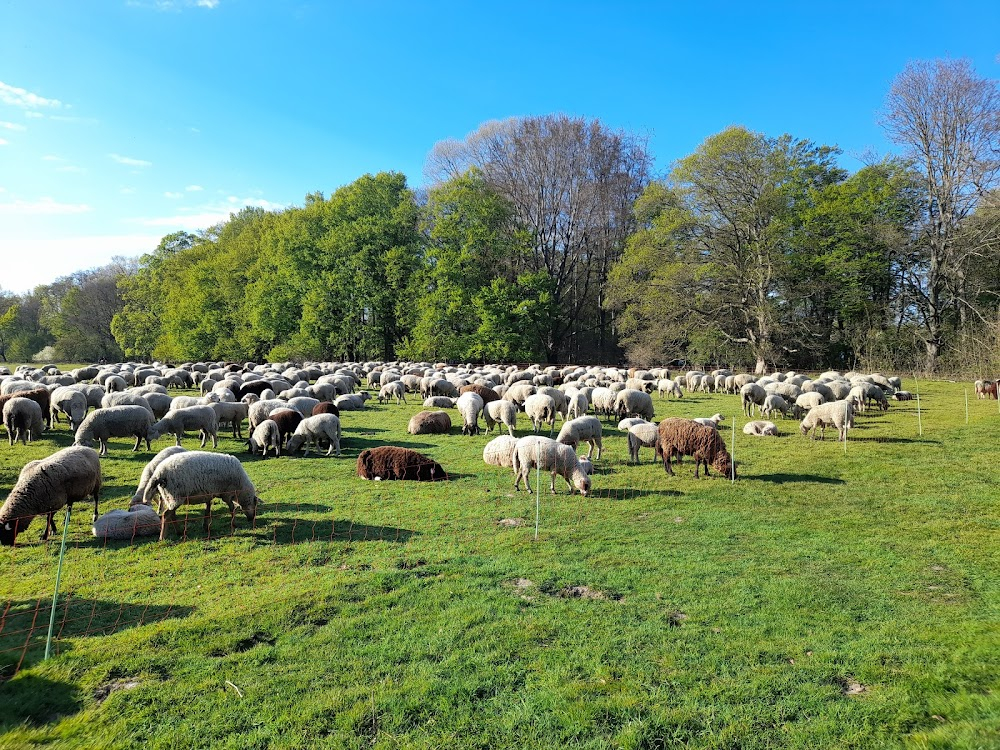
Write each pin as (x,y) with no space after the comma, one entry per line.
(74,118)
(206,216)
(52,157)
(127,191)
(170,195)
(11,126)
(18,97)
(41,207)
(33,115)
(129,161)
(172,5)
(194,188)
(4,142)
(210,4)
(71,169)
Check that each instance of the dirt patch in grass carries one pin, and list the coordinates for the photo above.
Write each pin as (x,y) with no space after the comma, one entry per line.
(102,693)
(850,686)
(586,592)
(676,619)
(510,522)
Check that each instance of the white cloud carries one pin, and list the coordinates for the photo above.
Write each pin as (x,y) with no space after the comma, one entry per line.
(11,126)
(127,191)
(209,215)
(210,4)
(168,194)
(4,142)
(172,5)
(72,169)
(52,157)
(18,97)
(73,118)
(33,114)
(194,188)
(128,161)
(41,207)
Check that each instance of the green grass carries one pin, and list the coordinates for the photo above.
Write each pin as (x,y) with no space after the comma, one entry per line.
(363,614)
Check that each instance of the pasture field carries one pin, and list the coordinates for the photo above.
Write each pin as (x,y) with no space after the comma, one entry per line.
(827,599)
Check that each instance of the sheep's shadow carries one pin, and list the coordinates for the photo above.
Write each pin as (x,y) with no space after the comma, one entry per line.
(782,478)
(888,439)
(609,493)
(298,531)
(36,701)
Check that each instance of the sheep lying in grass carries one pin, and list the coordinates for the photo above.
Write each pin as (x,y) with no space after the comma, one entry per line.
(44,487)
(429,423)
(314,429)
(388,462)
(199,477)
(685,437)
(116,421)
(500,451)
(552,457)
(439,402)
(138,520)
(582,429)
(23,419)
(760,428)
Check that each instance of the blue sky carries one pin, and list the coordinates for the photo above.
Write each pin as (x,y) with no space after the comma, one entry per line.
(124,120)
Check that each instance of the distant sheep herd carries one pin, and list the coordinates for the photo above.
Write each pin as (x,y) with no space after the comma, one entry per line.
(291,407)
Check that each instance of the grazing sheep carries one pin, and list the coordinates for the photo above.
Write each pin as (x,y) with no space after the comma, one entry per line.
(603,401)
(394,390)
(552,457)
(582,429)
(486,393)
(138,520)
(665,386)
(115,384)
(233,413)
(685,437)
(264,436)
(325,407)
(147,472)
(540,408)
(199,477)
(44,487)
(774,403)
(712,421)
(642,435)
(23,419)
(69,401)
(470,404)
(126,398)
(633,403)
(40,396)
(839,414)
(429,423)
(287,420)
(177,422)
(519,393)
(500,451)
(864,393)
(810,400)
(389,462)
(626,423)
(577,404)
(116,421)
(303,405)
(261,410)
(751,394)
(761,428)
(314,429)
(501,412)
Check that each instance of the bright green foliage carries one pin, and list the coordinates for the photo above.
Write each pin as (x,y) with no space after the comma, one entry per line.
(515,318)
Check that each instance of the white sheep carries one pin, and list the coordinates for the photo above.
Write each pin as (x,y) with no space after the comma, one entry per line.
(470,405)
(177,422)
(23,419)
(666,386)
(138,520)
(712,421)
(148,470)
(501,412)
(839,414)
(760,428)
(751,394)
(439,402)
(500,450)
(630,402)
(395,389)
(44,487)
(642,435)
(312,430)
(577,404)
(115,421)
(233,412)
(199,477)
(582,429)
(540,409)
(264,436)
(552,457)
(70,401)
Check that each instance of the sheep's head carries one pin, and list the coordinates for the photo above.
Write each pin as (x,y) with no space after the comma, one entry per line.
(8,532)
(581,481)
(724,465)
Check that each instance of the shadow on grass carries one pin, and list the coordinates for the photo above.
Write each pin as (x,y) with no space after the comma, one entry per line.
(785,477)
(36,701)
(24,625)
(296,531)
(631,494)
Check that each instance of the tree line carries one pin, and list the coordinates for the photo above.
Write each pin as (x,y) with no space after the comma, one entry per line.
(549,238)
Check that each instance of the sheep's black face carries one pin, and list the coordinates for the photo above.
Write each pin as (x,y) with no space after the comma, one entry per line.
(8,532)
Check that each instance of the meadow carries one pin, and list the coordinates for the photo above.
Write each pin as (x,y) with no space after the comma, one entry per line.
(829,598)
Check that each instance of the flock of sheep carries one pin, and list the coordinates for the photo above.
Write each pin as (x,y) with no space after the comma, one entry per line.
(290,408)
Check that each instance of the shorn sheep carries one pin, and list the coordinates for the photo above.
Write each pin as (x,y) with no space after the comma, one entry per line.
(177,422)
(550,456)
(199,477)
(44,487)
(685,437)
(642,435)
(388,462)
(312,430)
(582,429)
(265,436)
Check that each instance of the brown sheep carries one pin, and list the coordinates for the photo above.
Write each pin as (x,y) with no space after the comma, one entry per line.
(429,423)
(326,407)
(389,462)
(287,420)
(486,393)
(40,396)
(685,437)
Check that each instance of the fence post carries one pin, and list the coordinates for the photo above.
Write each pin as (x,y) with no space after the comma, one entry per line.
(966,405)
(847,422)
(55,594)
(920,424)
(538,485)
(732,450)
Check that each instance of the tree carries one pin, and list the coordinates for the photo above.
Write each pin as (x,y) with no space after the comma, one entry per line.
(8,321)
(78,310)
(571,184)
(948,120)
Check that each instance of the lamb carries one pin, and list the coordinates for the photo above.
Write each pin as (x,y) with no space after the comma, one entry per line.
(665,386)
(44,487)
(774,403)
(500,451)
(626,423)
(577,404)
(752,394)
(469,405)
(685,437)
(631,402)
(138,520)
(68,401)
(115,421)
(839,414)
(550,456)
(439,402)
(760,428)
(503,412)
(196,477)
(429,423)
(712,421)
(314,429)
(388,462)
(40,396)
(394,390)
(23,419)
(232,412)
(540,408)
(581,429)
(201,418)
(264,436)
(147,472)
(642,435)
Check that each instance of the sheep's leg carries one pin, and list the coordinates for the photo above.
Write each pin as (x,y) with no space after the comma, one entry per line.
(50,525)
(104,446)
(215,439)
(177,439)
(138,442)
(666,463)
(168,518)
(204,436)
(208,515)
(552,484)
